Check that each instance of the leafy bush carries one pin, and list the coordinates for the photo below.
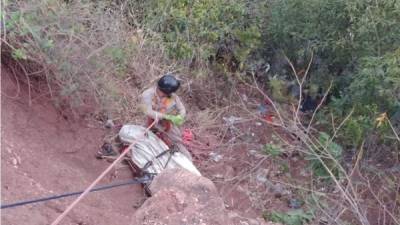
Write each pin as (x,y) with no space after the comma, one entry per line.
(329,154)
(196,30)
(375,88)
(355,45)
(321,25)
(377,81)
(294,217)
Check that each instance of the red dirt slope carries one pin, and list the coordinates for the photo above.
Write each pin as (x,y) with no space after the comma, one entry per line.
(44,154)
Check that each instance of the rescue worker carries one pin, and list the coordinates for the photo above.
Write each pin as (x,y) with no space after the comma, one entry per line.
(165,109)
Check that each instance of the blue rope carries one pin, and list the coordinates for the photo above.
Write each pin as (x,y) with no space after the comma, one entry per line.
(135,181)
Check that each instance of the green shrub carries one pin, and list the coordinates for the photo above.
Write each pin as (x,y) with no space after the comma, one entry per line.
(329,153)
(195,30)
(355,44)
(375,88)
(294,217)
(321,25)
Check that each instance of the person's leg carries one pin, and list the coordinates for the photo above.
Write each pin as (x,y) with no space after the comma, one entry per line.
(175,135)
(171,136)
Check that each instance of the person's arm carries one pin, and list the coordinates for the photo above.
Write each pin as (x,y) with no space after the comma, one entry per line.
(147,105)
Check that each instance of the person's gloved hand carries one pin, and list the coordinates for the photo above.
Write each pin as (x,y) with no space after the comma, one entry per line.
(176,120)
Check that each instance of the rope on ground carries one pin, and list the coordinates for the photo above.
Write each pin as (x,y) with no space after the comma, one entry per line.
(70,207)
(100,188)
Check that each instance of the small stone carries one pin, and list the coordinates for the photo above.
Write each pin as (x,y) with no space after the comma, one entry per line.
(215,157)
(109,124)
(262,175)
(279,190)
(295,203)
(303,173)
(244,97)
(229,171)
(258,123)
(294,159)
(253,152)
(14,161)
(218,176)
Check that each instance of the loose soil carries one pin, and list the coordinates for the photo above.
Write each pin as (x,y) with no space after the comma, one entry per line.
(44,154)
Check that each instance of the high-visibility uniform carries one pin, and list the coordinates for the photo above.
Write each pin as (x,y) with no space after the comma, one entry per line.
(156,107)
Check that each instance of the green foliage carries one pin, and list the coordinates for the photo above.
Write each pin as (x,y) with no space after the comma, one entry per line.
(294,217)
(375,88)
(377,81)
(374,25)
(329,154)
(355,43)
(337,30)
(194,29)
(272,149)
(277,88)
(19,54)
(318,24)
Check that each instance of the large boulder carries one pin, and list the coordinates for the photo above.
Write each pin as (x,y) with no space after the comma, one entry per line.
(183,198)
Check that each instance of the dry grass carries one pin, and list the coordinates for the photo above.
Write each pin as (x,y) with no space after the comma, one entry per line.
(83,52)
(352,196)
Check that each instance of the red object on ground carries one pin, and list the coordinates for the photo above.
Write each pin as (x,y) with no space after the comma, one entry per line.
(269,118)
(187,136)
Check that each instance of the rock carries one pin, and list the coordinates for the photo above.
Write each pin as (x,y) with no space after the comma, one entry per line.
(180,197)
(109,124)
(261,176)
(279,190)
(244,97)
(229,171)
(304,173)
(256,154)
(253,152)
(14,161)
(215,157)
(218,176)
(295,203)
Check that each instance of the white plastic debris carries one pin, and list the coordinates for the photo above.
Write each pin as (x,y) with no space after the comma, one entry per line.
(231,120)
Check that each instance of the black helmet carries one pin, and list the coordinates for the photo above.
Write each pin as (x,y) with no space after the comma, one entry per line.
(168,84)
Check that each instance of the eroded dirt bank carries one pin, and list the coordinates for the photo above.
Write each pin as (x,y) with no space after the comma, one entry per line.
(45,154)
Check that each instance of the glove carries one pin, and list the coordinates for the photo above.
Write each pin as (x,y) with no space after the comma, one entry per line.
(176,120)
